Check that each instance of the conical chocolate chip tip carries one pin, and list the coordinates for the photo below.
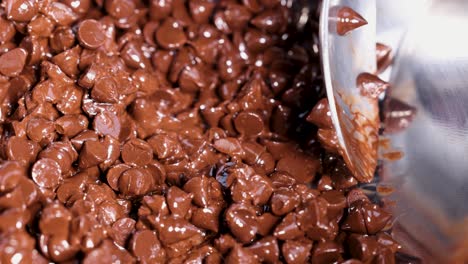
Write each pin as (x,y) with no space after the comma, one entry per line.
(383,56)
(370,85)
(348,20)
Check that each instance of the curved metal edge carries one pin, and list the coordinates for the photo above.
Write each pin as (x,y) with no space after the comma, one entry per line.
(323,34)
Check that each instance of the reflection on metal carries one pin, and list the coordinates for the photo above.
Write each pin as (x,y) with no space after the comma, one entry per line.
(430,73)
(354,117)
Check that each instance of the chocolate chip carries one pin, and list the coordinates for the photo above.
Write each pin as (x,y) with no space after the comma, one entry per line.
(370,85)
(68,61)
(91,33)
(107,123)
(201,10)
(12,62)
(41,26)
(162,60)
(270,20)
(137,152)
(22,149)
(249,123)
(148,83)
(256,40)
(62,39)
(302,167)
(11,174)
(266,249)
(146,247)
(327,252)
(320,115)
(62,152)
(21,10)
(241,255)
(160,9)
(170,34)
(283,201)
(61,14)
(348,20)
(135,181)
(119,8)
(46,173)
(71,125)
(362,247)
(398,116)
(237,16)
(79,7)
(178,201)
(92,153)
(383,56)
(296,251)
(7,30)
(40,130)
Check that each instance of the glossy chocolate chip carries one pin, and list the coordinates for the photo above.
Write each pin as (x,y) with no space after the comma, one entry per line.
(249,123)
(296,251)
(91,34)
(320,115)
(61,14)
(348,20)
(40,130)
(327,252)
(79,7)
(170,34)
(22,149)
(7,30)
(146,247)
(283,201)
(135,181)
(266,249)
(119,8)
(71,125)
(62,39)
(22,10)
(11,174)
(362,247)
(137,152)
(41,26)
(370,85)
(178,201)
(201,10)
(241,255)
(237,16)
(242,222)
(13,61)
(68,61)
(256,40)
(160,9)
(46,173)
(300,166)
(383,56)
(398,116)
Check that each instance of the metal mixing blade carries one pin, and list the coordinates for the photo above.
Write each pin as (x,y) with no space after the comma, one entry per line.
(344,57)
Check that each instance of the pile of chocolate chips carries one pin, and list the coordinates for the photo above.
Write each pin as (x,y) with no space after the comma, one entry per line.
(172,131)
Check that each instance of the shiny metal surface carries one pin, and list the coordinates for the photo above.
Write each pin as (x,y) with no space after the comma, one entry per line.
(430,72)
(343,59)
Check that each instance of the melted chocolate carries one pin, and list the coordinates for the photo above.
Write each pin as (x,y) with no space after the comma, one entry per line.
(178,131)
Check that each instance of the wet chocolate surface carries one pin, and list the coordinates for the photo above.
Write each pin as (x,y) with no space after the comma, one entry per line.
(348,20)
(174,131)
